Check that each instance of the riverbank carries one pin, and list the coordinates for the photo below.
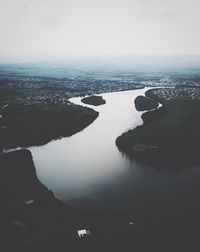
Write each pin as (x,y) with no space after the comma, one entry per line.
(169,136)
(28,125)
(32,219)
(42,223)
(28,206)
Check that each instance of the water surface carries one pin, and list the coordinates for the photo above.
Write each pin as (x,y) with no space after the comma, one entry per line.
(87,170)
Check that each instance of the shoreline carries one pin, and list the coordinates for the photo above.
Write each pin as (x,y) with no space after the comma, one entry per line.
(34,220)
(50,224)
(164,138)
(38,125)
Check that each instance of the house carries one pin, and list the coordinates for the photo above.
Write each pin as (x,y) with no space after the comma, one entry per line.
(84,233)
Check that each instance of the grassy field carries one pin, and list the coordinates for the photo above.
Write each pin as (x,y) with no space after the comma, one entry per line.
(171,139)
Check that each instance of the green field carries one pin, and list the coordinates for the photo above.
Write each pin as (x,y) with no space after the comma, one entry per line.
(171,139)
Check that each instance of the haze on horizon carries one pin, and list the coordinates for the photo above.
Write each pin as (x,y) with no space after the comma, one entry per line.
(52,28)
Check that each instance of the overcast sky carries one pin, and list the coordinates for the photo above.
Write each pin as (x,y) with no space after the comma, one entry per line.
(94,27)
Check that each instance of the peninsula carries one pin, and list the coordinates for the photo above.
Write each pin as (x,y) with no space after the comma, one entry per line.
(169,136)
(26,123)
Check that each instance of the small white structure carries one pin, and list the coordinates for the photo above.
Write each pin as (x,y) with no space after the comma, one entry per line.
(29,202)
(84,233)
(131,222)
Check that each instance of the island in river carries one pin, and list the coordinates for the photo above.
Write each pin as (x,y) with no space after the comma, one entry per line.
(93,100)
(169,136)
(143,103)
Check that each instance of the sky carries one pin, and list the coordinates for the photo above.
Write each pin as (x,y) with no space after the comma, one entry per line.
(99,27)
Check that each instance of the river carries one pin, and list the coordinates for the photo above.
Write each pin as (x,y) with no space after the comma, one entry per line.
(87,170)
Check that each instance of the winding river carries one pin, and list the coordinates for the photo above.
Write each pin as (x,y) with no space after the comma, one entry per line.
(87,171)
